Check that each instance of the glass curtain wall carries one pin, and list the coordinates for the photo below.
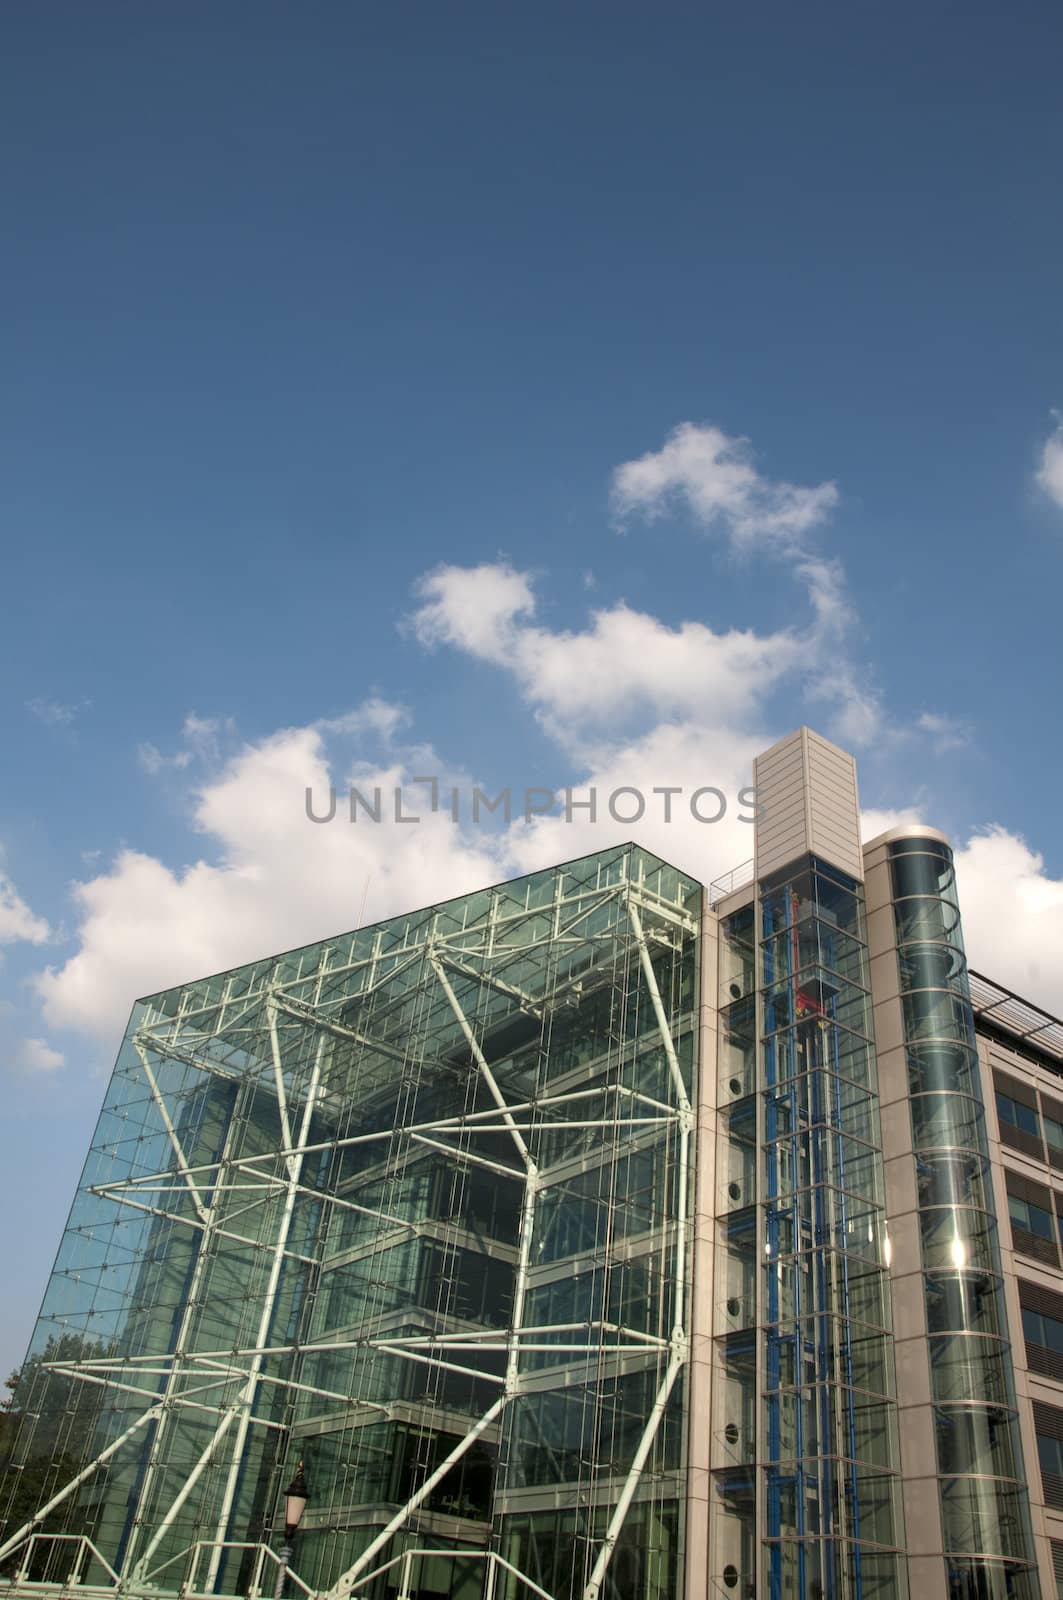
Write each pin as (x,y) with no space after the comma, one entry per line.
(808,1347)
(411,1206)
(984,1503)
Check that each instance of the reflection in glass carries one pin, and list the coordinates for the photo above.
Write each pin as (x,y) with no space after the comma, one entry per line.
(830,1483)
(970,1364)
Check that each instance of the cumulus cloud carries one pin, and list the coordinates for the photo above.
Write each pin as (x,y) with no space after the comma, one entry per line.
(632,703)
(475,608)
(713,476)
(17,921)
(875,820)
(627,665)
(623,664)
(35,1056)
(1012,907)
(677,790)
(269,880)
(1012,915)
(1050,467)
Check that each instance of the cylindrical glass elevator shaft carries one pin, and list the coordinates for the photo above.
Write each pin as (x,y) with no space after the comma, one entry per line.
(984,1505)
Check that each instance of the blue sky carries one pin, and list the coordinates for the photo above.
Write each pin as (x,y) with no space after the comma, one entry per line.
(333,334)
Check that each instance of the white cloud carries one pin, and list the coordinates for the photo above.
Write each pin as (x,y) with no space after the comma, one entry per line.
(475,608)
(1012,915)
(203,739)
(624,665)
(270,879)
(631,701)
(151,758)
(203,736)
(53,712)
(274,880)
(35,1055)
(856,715)
(627,665)
(374,715)
(945,733)
(1050,468)
(1012,909)
(824,581)
(875,820)
(17,921)
(683,756)
(712,474)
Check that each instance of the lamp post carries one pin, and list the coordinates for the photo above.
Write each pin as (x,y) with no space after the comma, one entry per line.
(295,1497)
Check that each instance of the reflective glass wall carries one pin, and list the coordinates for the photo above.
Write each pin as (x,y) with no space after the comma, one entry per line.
(806,1356)
(411,1206)
(984,1504)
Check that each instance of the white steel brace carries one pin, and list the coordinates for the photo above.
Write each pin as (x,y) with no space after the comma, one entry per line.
(274,1008)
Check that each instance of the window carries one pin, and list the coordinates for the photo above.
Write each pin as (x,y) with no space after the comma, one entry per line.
(1048,1426)
(1050,1455)
(1054,1132)
(1057,1566)
(1042,1330)
(1019,1116)
(1034,1218)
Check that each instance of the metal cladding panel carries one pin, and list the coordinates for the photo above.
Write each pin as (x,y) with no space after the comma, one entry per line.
(807,804)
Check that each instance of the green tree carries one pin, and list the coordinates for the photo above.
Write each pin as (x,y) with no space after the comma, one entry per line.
(47,1433)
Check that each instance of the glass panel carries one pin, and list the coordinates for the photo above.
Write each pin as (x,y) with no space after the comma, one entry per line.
(1034,1218)
(937,1014)
(827,1357)
(978,1579)
(406,1227)
(921,867)
(984,1514)
(955,1178)
(1020,1116)
(944,1119)
(928,918)
(1043,1330)
(958,1301)
(970,1367)
(977,1439)
(931,966)
(949,1068)
(970,1370)
(958,1236)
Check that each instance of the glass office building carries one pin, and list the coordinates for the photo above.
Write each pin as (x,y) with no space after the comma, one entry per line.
(600,1234)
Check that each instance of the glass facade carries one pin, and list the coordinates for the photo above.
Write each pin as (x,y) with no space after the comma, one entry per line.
(807,1351)
(411,1206)
(984,1502)
(547,1228)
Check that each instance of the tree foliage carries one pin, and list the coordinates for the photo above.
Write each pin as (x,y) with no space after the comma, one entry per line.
(47,1432)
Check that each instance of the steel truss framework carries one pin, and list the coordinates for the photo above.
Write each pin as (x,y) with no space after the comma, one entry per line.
(253,1218)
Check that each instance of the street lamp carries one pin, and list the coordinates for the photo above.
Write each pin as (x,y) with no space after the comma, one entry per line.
(295,1497)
